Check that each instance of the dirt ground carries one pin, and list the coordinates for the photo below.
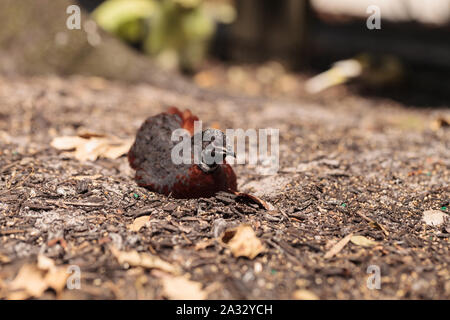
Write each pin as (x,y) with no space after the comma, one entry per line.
(348,165)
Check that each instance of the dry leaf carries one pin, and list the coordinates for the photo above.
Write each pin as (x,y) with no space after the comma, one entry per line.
(362,241)
(338,247)
(263,204)
(57,278)
(181,288)
(86,134)
(139,223)
(45,263)
(66,142)
(132,257)
(242,242)
(114,152)
(304,294)
(90,146)
(34,280)
(144,260)
(433,217)
(30,279)
(204,244)
(91,149)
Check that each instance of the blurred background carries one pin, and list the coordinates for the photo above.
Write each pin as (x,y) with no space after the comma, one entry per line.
(295,48)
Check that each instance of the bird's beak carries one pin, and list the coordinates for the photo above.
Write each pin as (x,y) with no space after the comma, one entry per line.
(228,151)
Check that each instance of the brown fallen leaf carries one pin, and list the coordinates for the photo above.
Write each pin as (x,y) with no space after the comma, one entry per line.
(56,279)
(44,263)
(86,134)
(242,242)
(114,152)
(92,146)
(33,280)
(181,288)
(139,223)
(66,142)
(30,280)
(201,245)
(338,247)
(362,241)
(246,196)
(144,260)
(303,294)
(91,149)
(56,276)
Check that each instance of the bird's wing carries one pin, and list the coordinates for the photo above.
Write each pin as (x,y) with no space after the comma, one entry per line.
(151,152)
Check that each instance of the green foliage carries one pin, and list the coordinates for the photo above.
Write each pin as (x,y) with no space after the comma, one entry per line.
(125,18)
(177,32)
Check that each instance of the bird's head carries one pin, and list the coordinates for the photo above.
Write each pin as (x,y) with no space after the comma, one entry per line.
(214,149)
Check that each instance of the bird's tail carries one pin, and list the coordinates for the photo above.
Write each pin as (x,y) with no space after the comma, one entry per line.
(187,118)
